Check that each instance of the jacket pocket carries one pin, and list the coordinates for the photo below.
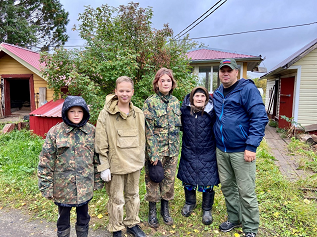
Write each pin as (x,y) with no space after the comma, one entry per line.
(161,119)
(62,147)
(128,138)
(244,134)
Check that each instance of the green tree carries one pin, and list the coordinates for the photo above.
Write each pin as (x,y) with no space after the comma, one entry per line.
(260,84)
(33,22)
(119,41)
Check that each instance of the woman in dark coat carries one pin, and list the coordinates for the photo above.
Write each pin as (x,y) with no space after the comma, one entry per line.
(198,164)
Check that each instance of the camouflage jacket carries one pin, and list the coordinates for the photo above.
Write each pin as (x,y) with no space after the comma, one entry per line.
(67,169)
(162,125)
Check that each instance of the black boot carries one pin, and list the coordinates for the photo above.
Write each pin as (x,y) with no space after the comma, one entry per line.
(165,213)
(82,231)
(64,233)
(153,221)
(208,201)
(190,202)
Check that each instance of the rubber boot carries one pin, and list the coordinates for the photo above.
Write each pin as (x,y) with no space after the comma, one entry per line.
(190,202)
(208,201)
(153,221)
(168,220)
(82,231)
(64,233)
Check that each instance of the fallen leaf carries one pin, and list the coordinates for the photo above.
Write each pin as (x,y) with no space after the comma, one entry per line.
(100,216)
(306,201)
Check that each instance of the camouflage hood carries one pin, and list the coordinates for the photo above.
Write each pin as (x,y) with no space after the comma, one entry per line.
(72,101)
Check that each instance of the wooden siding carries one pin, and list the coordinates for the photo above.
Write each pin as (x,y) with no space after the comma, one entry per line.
(269,86)
(307,109)
(8,65)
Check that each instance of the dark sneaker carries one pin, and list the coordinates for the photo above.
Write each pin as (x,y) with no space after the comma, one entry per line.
(136,231)
(117,234)
(228,226)
(250,234)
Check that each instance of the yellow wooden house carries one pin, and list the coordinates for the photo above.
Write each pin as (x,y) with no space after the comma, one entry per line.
(292,89)
(22,84)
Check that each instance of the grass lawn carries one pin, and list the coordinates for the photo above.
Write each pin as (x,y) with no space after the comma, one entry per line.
(283,210)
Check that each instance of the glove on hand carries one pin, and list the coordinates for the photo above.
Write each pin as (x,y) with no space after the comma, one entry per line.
(106,175)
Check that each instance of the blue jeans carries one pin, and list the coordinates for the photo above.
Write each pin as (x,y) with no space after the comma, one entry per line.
(237,178)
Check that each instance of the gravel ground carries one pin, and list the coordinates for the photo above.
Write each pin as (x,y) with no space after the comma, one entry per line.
(15,223)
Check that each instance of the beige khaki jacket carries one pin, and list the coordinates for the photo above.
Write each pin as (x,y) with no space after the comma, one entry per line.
(120,138)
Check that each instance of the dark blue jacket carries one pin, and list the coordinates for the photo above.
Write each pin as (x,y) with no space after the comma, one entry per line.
(198,164)
(241,118)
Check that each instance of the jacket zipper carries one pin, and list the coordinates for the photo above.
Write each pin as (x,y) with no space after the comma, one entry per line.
(221,132)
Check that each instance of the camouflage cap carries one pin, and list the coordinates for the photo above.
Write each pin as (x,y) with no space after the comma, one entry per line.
(156,172)
(230,62)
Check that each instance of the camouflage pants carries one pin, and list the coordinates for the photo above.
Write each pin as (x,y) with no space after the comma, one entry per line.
(165,189)
(123,190)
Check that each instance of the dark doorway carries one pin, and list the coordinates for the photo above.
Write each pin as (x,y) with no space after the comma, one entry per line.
(19,95)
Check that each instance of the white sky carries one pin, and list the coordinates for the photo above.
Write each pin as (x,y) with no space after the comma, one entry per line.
(233,16)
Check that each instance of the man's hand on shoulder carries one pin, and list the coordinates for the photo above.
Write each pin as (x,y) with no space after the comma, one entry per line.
(249,156)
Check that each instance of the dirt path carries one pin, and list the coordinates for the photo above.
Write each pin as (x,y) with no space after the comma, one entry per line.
(287,164)
(15,223)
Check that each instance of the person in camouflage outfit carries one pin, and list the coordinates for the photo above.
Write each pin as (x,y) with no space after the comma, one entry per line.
(67,169)
(162,126)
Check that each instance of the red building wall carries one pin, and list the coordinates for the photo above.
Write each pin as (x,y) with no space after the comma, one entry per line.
(41,125)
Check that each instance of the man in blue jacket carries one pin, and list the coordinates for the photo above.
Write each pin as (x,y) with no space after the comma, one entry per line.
(239,129)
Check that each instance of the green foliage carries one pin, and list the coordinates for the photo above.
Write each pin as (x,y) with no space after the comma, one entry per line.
(33,22)
(308,158)
(273,123)
(283,210)
(260,84)
(119,41)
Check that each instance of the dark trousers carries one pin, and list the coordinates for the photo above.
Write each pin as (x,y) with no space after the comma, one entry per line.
(63,221)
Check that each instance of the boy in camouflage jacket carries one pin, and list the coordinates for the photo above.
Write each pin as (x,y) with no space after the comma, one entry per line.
(67,169)
(162,125)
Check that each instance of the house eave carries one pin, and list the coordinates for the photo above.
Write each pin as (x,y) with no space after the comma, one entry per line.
(25,64)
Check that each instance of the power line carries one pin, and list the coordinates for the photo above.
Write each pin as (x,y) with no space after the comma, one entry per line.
(197,19)
(202,19)
(237,33)
(250,31)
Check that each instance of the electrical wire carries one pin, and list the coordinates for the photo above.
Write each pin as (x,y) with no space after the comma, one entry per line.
(201,20)
(244,32)
(214,36)
(197,19)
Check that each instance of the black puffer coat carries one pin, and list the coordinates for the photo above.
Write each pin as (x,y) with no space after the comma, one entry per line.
(198,164)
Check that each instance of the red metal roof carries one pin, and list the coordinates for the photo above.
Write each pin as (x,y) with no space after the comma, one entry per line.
(29,56)
(50,109)
(210,54)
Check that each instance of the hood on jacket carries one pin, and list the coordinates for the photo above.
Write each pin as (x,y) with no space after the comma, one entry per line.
(112,108)
(72,101)
(208,107)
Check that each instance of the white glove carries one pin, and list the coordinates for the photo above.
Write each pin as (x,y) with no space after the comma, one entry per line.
(106,175)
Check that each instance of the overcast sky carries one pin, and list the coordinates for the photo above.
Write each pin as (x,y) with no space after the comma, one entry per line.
(233,16)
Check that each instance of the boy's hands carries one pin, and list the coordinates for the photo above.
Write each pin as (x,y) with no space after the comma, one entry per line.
(106,175)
